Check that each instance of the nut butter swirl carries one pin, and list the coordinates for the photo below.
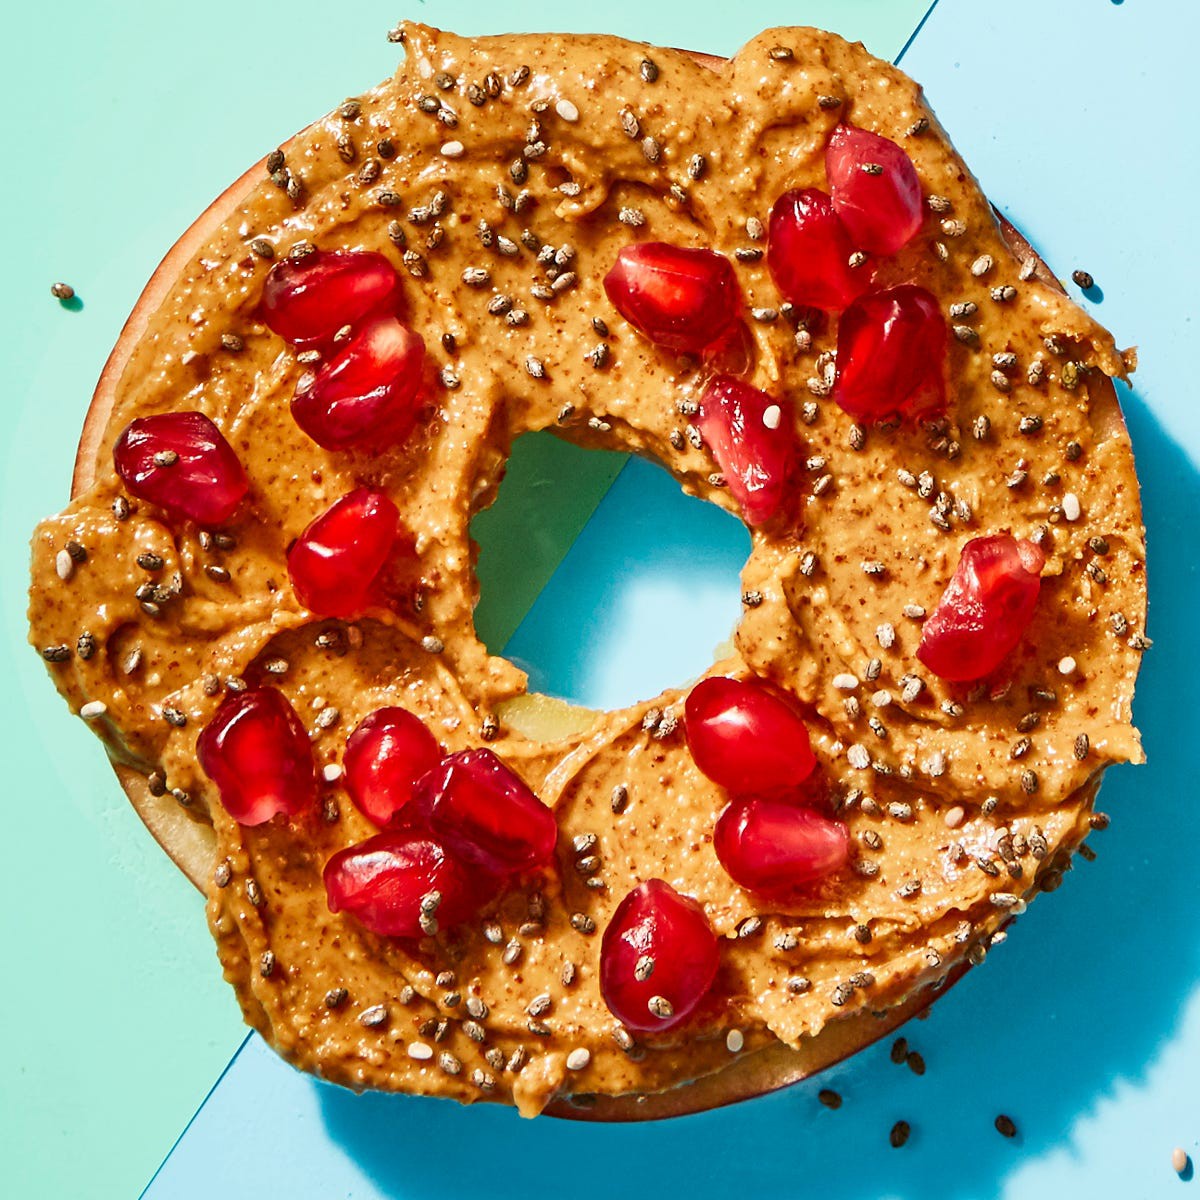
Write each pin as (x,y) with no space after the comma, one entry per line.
(960,804)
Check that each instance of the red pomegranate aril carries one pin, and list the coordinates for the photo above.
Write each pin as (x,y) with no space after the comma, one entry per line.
(733,353)
(891,354)
(385,756)
(258,754)
(308,300)
(486,813)
(680,298)
(335,563)
(181,462)
(985,610)
(875,189)
(775,848)
(757,459)
(809,250)
(746,737)
(658,958)
(368,394)
(382,882)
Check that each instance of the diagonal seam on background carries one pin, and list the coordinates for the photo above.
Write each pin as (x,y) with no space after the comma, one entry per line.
(912,37)
(191,1120)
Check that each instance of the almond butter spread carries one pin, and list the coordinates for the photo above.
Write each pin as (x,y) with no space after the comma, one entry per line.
(961,802)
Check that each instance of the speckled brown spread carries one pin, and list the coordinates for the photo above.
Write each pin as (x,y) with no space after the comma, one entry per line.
(556,136)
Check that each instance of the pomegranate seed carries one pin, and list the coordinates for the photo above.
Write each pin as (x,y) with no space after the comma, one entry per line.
(368,394)
(758,461)
(258,754)
(681,299)
(744,736)
(875,189)
(890,355)
(181,462)
(774,848)
(486,814)
(385,756)
(658,958)
(732,354)
(306,301)
(985,609)
(335,563)
(382,882)
(808,252)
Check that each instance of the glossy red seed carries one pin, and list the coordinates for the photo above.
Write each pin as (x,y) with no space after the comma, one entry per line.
(775,848)
(758,462)
(655,923)
(335,563)
(680,298)
(307,300)
(875,189)
(985,609)
(382,881)
(258,754)
(891,355)
(733,353)
(746,737)
(486,814)
(368,394)
(808,252)
(181,462)
(384,757)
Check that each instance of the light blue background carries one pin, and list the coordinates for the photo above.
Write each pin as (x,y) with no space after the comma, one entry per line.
(1079,118)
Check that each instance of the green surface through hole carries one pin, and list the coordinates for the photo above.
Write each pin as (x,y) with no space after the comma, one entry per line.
(548,494)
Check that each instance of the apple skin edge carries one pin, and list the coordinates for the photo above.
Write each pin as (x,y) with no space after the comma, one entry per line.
(191,844)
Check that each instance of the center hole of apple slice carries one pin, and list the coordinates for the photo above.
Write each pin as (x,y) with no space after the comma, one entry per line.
(600,578)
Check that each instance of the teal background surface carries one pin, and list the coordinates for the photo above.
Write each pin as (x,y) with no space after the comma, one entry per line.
(126,119)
